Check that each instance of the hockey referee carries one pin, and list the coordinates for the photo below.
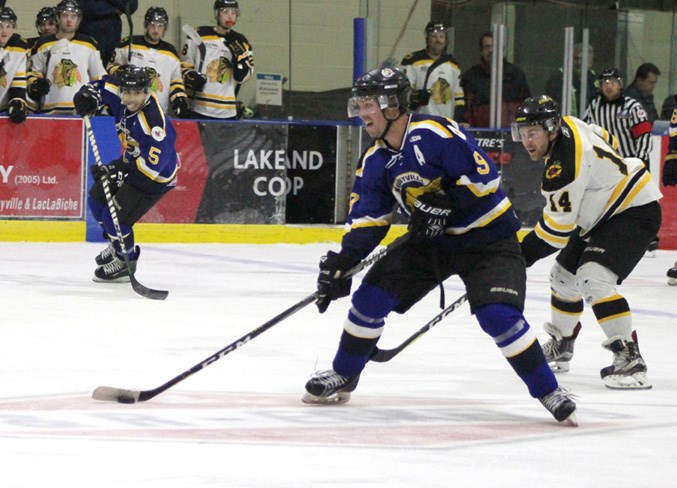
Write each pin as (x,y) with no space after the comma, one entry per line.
(622,116)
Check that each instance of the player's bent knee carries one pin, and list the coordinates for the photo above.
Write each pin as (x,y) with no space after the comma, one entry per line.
(563,283)
(595,282)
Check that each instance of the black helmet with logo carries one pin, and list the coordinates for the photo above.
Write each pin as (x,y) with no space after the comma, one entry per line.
(543,111)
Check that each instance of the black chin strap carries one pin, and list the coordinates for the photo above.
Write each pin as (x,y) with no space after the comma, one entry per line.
(385,131)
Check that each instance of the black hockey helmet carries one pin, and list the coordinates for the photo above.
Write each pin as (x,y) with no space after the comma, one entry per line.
(543,111)
(435,26)
(610,73)
(8,15)
(133,77)
(69,6)
(45,14)
(156,15)
(219,4)
(390,86)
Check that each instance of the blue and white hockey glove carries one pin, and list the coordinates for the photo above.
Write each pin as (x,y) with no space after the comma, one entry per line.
(331,282)
(430,216)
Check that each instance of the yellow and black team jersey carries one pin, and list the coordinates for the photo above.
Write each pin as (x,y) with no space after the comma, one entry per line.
(586,182)
(214,59)
(672,132)
(163,61)
(442,78)
(67,65)
(13,70)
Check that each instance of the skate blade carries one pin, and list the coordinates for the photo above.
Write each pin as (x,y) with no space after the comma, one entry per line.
(336,399)
(121,279)
(636,381)
(570,421)
(560,367)
(672,281)
(650,254)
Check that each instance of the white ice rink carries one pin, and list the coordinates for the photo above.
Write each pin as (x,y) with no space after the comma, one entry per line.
(447,412)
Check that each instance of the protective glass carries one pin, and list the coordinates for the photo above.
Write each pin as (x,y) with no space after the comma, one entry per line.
(522,132)
(368,105)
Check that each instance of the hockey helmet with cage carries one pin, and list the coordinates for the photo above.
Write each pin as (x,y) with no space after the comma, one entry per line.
(389,86)
(69,6)
(219,4)
(8,15)
(542,111)
(133,77)
(45,14)
(156,15)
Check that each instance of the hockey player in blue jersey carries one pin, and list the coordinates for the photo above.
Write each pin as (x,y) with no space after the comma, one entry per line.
(144,173)
(460,223)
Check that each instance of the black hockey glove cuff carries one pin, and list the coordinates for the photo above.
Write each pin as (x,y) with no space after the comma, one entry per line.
(38,88)
(670,170)
(194,81)
(419,98)
(17,110)
(181,108)
(115,171)
(431,215)
(87,100)
(331,282)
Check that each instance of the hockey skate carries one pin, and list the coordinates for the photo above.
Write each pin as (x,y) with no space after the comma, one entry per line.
(560,403)
(672,276)
(651,249)
(329,388)
(106,256)
(116,271)
(559,350)
(628,371)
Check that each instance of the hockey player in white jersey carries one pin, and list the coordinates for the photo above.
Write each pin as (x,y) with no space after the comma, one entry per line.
(61,63)
(160,58)
(12,68)
(217,63)
(601,212)
(45,24)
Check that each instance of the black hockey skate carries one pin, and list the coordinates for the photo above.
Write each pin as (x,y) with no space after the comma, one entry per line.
(628,371)
(106,256)
(672,276)
(116,271)
(652,248)
(559,351)
(329,388)
(560,403)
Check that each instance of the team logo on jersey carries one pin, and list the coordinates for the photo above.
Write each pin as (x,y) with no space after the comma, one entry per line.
(3,75)
(554,170)
(156,84)
(158,134)
(440,91)
(219,70)
(66,73)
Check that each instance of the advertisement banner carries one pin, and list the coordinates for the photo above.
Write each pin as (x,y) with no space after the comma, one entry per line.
(41,169)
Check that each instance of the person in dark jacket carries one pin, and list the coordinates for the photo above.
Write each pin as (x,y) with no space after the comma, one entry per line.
(101,20)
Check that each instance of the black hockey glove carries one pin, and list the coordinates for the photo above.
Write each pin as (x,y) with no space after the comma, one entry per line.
(419,98)
(17,110)
(194,81)
(670,171)
(38,88)
(115,171)
(331,282)
(181,108)
(87,100)
(431,215)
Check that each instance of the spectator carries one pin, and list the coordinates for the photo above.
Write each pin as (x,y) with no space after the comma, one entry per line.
(160,59)
(435,76)
(642,87)
(61,63)
(101,20)
(12,68)
(45,23)
(476,83)
(669,104)
(216,63)
(554,84)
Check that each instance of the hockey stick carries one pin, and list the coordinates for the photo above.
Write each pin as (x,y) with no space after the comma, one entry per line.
(110,394)
(195,37)
(128,14)
(384,355)
(138,287)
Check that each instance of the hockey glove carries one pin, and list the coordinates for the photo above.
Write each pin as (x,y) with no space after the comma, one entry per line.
(115,171)
(38,88)
(181,108)
(419,98)
(670,171)
(194,81)
(331,282)
(17,110)
(431,215)
(87,100)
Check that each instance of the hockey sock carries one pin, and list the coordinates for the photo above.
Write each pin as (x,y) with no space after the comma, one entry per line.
(565,314)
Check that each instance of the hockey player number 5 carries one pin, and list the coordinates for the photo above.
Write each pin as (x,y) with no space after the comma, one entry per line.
(154,155)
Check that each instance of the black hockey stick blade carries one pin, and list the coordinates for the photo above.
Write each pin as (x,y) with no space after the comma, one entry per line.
(147,292)
(122,395)
(385,355)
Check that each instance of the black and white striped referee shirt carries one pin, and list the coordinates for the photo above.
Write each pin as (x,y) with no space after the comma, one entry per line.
(626,119)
